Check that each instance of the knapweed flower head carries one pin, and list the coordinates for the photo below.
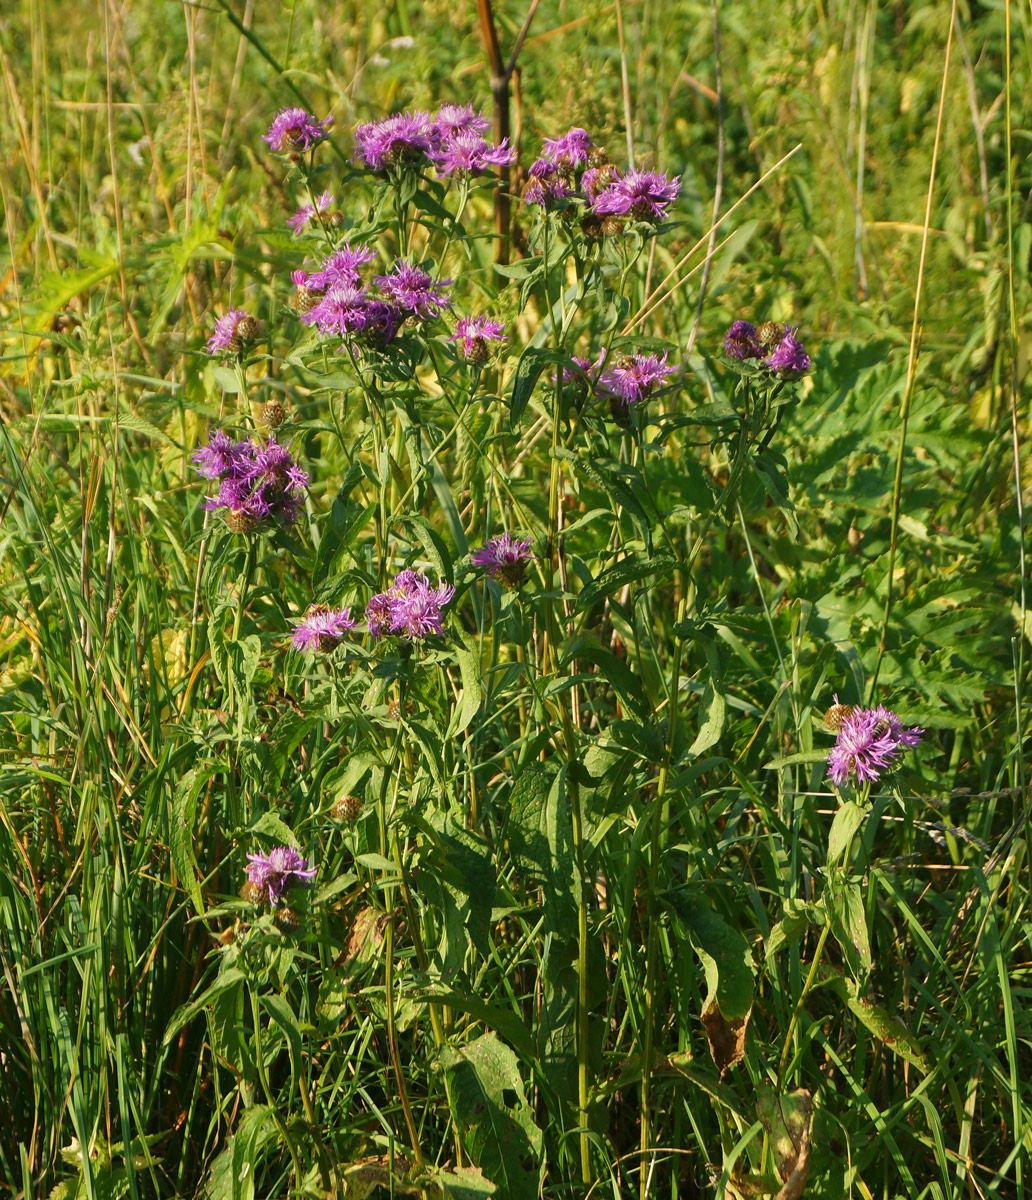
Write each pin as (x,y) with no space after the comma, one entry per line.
(411,607)
(257,480)
(869,742)
(283,867)
(222,456)
(570,150)
(452,119)
(546,184)
(233,330)
(741,341)
(467,153)
(409,288)
(634,377)
(396,140)
(341,267)
(322,628)
(504,558)
(342,310)
(584,372)
(294,131)
(644,195)
(305,212)
(475,333)
(788,357)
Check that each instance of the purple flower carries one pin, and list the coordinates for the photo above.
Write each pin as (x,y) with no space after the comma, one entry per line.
(411,606)
(257,480)
(868,743)
(281,868)
(343,310)
(570,150)
(306,212)
(413,291)
(401,138)
(342,267)
(383,321)
(788,357)
(468,153)
(584,367)
(451,119)
(378,614)
(232,330)
(546,184)
(596,179)
(221,456)
(741,341)
(475,333)
(504,557)
(322,628)
(635,377)
(294,131)
(644,195)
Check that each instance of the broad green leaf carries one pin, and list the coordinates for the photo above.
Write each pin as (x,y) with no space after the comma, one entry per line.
(494,1121)
(890,1030)
(723,951)
(846,824)
(845,906)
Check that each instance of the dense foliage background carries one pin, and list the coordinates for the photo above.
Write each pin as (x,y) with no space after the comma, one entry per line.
(581,924)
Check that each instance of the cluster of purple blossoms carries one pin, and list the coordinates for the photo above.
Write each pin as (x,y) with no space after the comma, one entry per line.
(338,303)
(305,212)
(504,558)
(233,330)
(868,743)
(271,874)
(322,628)
(257,480)
(452,138)
(475,333)
(294,131)
(411,607)
(776,346)
(572,166)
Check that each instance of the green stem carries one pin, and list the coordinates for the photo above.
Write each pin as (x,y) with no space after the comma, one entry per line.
(263,1080)
(811,975)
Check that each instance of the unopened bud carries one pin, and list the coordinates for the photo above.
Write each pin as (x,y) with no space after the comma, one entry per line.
(347,809)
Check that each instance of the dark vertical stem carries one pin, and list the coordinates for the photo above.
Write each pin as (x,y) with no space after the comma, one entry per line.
(500,95)
(501,77)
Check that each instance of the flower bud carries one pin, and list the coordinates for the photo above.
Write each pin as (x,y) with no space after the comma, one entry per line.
(274,413)
(347,809)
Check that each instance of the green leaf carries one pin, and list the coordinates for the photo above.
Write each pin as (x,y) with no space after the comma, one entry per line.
(715,709)
(847,822)
(181,832)
(629,570)
(498,1020)
(233,1172)
(890,1030)
(723,951)
(532,362)
(283,1015)
(491,1114)
(845,908)
(472,690)
(626,683)
(463,1183)
(226,378)
(183,1015)
(538,831)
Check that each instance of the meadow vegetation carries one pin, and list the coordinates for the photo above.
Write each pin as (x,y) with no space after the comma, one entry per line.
(475,718)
